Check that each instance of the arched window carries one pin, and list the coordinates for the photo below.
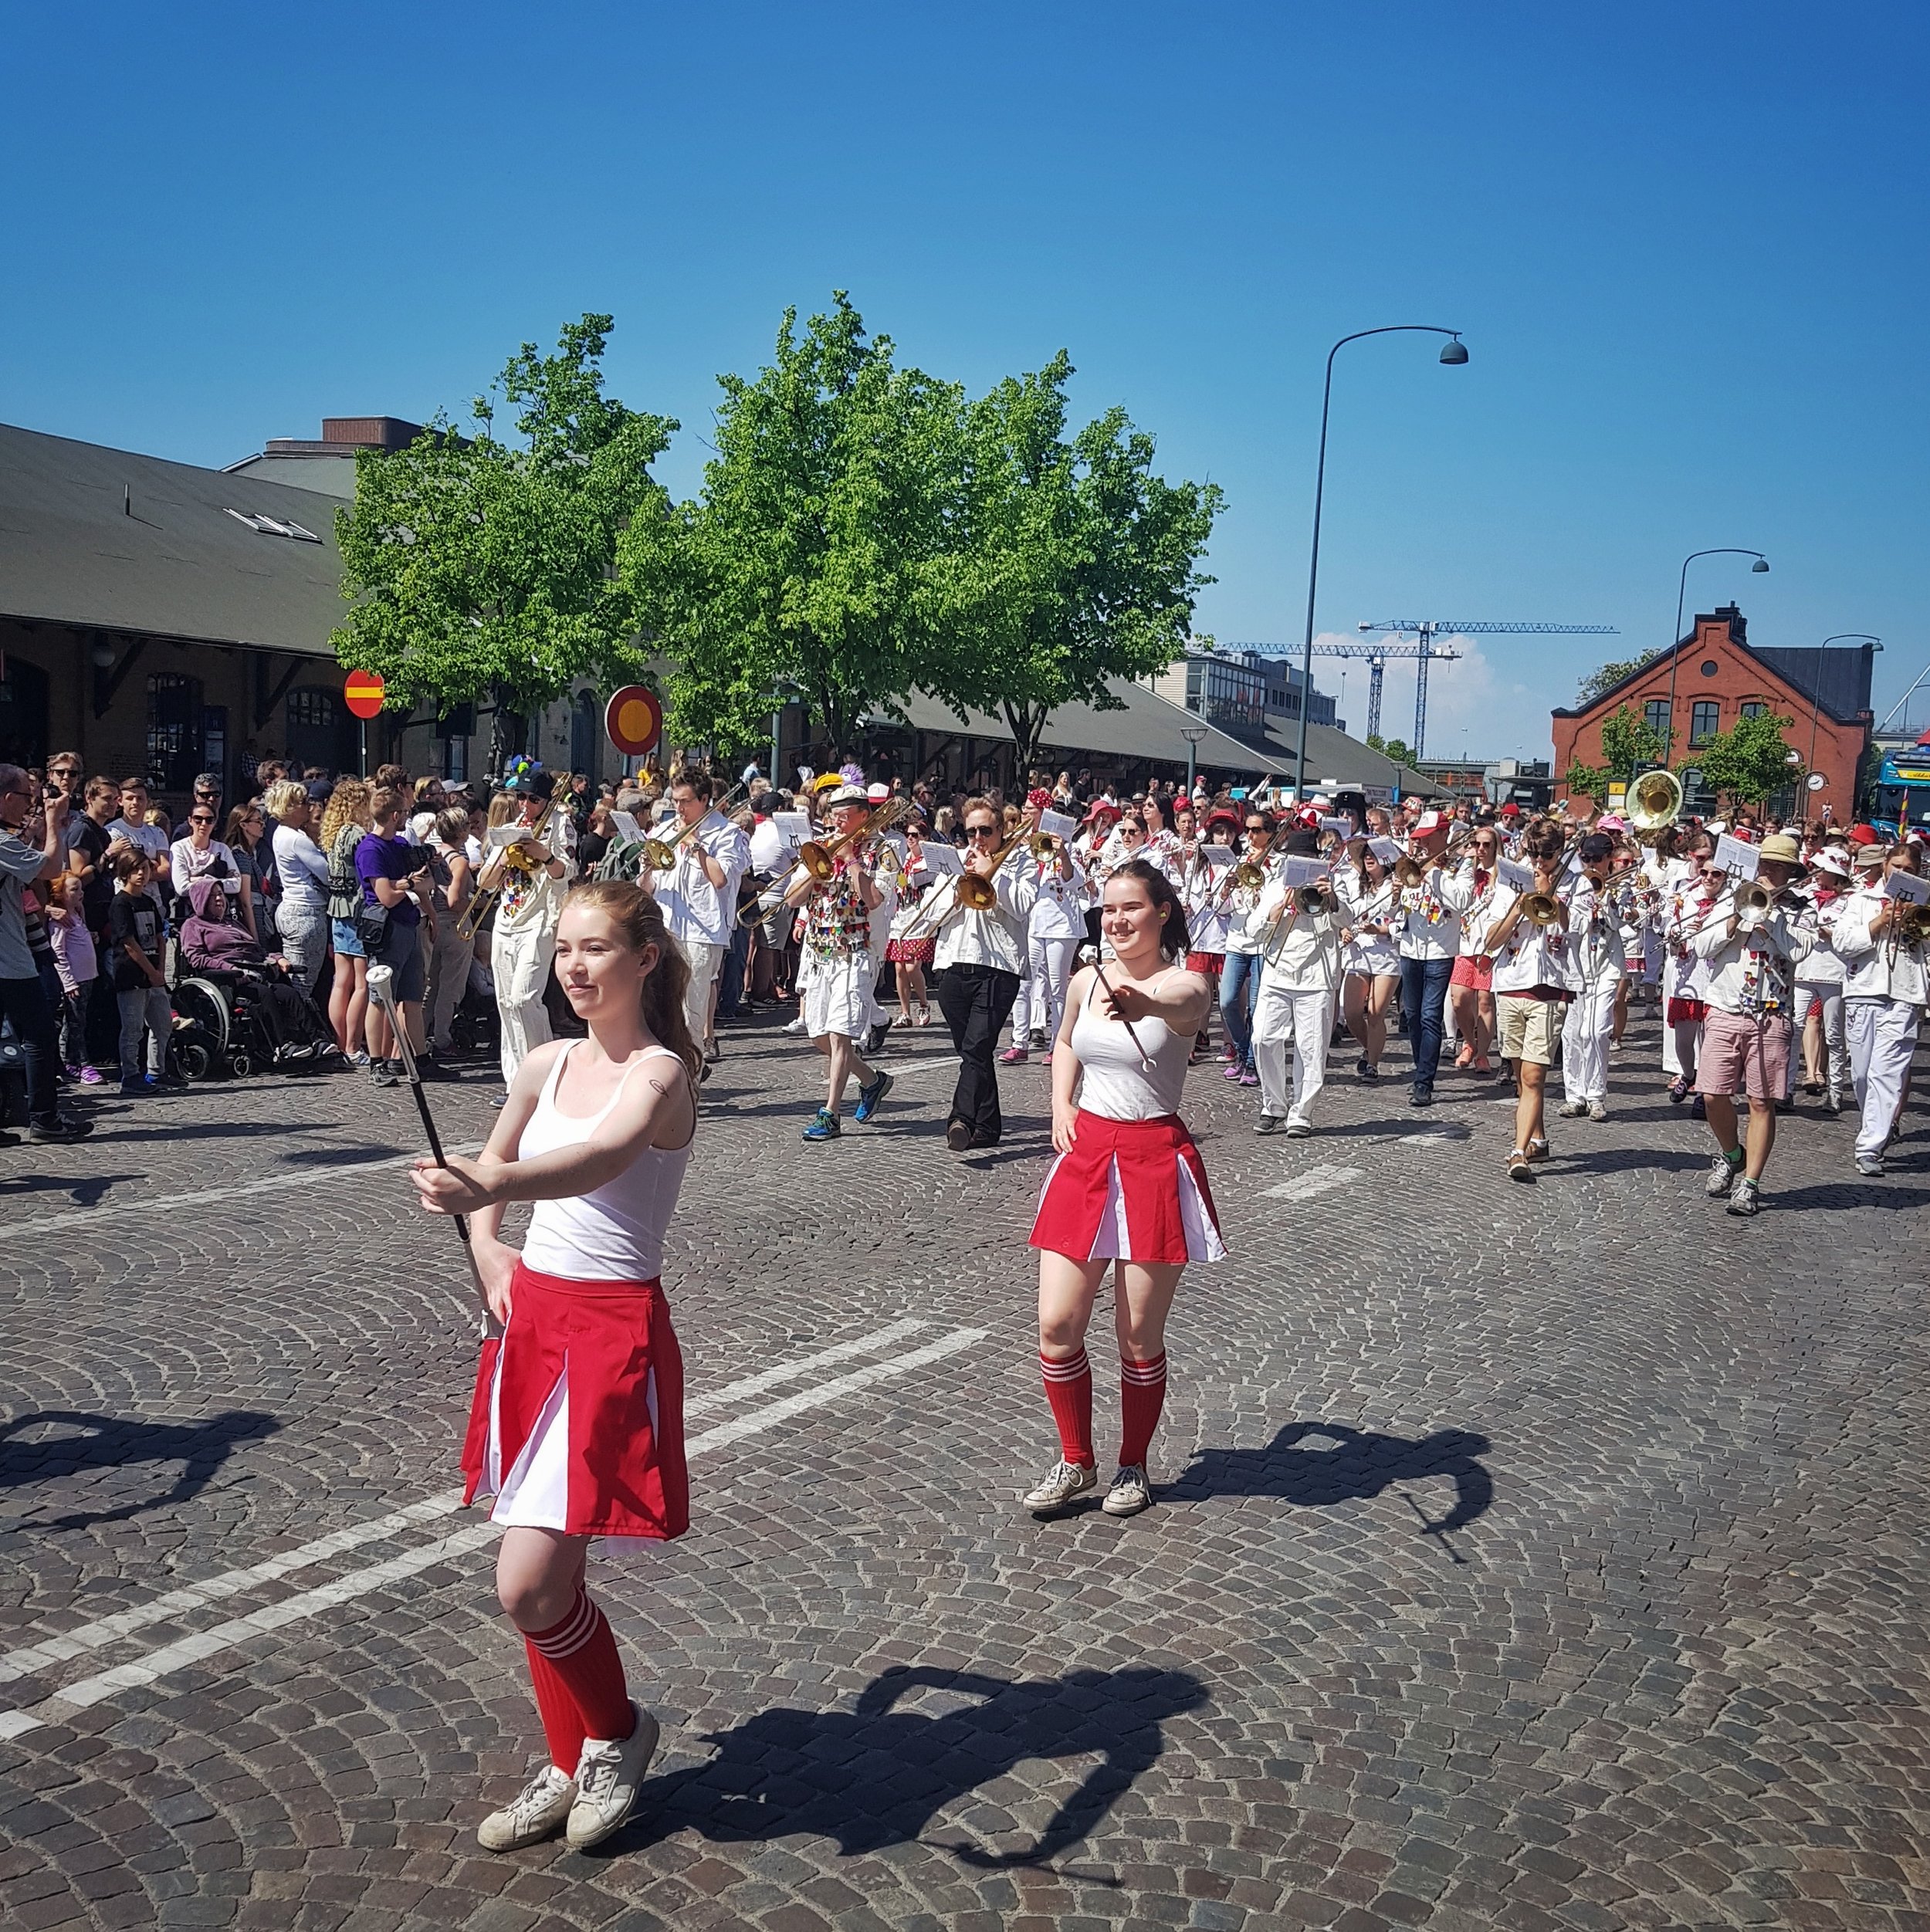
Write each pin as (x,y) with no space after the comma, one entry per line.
(1704,721)
(175,744)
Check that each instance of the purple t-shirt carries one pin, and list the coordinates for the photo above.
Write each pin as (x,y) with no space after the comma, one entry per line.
(377,857)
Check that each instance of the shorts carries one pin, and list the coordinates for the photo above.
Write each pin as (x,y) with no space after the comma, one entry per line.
(836,995)
(1745,1051)
(1529,1027)
(1208,965)
(915,951)
(1685,1012)
(1475,969)
(346,939)
(402,954)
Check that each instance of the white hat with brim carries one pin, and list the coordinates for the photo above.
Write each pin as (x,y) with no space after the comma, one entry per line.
(1832,862)
(848,795)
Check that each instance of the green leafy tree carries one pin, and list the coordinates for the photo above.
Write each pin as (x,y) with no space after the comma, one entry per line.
(1397,749)
(1077,565)
(810,556)
(478,566)
(1606,677)
(1587,781)
(1630,740)
(1749,762)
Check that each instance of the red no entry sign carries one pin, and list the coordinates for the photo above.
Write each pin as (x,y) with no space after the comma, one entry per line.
(634,720)
(362,692)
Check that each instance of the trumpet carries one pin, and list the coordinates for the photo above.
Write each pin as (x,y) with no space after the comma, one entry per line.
(660,854)
(482,901)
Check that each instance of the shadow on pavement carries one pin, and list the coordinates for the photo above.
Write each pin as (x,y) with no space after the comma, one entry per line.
(877,1776)
(1362,1463)
(109,1442)
(84,1193)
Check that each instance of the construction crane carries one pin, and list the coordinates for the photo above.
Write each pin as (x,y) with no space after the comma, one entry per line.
(1424,650)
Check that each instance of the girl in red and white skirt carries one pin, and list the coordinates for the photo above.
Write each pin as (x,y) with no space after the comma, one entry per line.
(1127,1193)
(577,1429)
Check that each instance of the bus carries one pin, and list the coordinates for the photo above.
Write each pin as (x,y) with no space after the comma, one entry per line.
(1903,790)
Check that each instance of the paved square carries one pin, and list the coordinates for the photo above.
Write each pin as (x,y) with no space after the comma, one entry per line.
(1534,1557)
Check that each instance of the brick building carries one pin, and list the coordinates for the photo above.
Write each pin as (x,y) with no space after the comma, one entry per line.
(1720,678)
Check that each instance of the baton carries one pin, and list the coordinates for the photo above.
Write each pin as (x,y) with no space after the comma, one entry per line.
(1146,1064)
(381,990)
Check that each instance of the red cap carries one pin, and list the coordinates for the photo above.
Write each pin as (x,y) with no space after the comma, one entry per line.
(1039,796)
(1864,835)
(1511,810)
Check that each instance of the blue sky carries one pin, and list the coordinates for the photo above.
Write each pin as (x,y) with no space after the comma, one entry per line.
(1685,244)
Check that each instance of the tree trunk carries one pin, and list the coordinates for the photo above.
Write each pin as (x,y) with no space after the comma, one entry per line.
(1027,724)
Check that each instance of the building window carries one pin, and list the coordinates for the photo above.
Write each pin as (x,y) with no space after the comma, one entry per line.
(174,719)
(1703,720)
(1655,716)
(1754,708)
(1708,667)
(455,761)
(311,709)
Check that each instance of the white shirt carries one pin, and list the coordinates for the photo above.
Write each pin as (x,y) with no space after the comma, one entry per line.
(693,908)
(1305,954)
(1533,956)
(217,861)
(1058,912)
(1426,919)
(993,938)
(1753,971)
(1371,953)
(1822,966)
(1596,957)
(1881,968)
(151,839)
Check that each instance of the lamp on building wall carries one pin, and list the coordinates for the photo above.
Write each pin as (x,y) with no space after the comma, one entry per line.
(101,654)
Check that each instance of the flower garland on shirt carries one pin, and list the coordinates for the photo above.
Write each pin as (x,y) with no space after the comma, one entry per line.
(837,922)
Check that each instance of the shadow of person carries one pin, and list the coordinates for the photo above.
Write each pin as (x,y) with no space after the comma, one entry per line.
(112,1442)
(1362,1463)
(877,1775)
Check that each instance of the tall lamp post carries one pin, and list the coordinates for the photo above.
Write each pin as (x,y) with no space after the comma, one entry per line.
(1454,353)
(1756,568)
(1816,696)
(1192,734)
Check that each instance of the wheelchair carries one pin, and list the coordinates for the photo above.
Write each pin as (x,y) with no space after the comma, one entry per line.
(222,1033)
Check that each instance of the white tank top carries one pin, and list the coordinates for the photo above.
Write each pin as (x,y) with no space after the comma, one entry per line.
(615,1232)
(1112,1083)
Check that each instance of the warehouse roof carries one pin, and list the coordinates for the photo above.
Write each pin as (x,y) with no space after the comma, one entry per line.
(104,539)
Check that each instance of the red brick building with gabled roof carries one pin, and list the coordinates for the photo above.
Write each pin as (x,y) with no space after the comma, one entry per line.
(1719,677)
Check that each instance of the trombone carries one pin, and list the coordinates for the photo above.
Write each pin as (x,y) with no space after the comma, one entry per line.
(819,858)
(661,855)
(971,891)
(483,900)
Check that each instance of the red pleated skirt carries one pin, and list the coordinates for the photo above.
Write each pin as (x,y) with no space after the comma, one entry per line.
(1129,1190)
(577,1423)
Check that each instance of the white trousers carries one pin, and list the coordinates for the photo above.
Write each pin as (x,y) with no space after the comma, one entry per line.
(1883,1039)
(1589,1020)
(1827,997)
(519,964)
(706,960)
(1041,993)
(1306,1019)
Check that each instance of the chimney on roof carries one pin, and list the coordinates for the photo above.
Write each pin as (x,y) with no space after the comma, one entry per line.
(369,432)
(1732,616)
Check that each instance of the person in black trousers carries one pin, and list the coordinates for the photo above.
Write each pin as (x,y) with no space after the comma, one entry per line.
(981,958)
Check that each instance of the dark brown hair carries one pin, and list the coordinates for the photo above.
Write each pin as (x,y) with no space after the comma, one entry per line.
(1175,941)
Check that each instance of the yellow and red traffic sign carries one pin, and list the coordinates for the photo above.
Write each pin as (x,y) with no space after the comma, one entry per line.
(633,719)
(362,692)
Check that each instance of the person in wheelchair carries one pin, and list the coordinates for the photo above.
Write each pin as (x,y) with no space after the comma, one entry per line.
(290,1030)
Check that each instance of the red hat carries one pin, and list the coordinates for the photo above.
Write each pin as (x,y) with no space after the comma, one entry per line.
(1864,835)
(1225,815)
(1039,796)
(1101,807)
(1430,821)
(1511,810)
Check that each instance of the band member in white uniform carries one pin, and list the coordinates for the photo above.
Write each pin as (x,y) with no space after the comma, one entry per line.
(532,874)
(698,895)
(576,1426)
(1885,990)
(1596,965)
(1299,974)
(1371,961)
(1531,984)
(1054,930)
(981,956)
(1818,1017)
(1127,1193)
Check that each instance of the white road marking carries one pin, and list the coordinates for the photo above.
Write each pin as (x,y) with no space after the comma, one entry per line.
(1315,1181)
(791,1371)
(75,1219)
(201,1645)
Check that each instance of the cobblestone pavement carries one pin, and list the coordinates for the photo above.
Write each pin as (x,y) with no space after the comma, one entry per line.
(1530,1558)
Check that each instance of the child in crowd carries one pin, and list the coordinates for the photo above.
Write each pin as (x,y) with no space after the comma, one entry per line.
(78,965)
(140,986)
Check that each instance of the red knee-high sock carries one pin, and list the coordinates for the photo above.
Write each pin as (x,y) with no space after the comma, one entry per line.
(1068,1388)
(581,1651)
(1142,1396)
(562,1722)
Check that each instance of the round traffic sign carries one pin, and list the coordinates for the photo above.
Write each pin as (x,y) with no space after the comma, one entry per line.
(362,692)
(633,720)
(1815,781)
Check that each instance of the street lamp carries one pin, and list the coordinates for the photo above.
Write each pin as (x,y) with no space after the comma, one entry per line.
(1756,568)
(1192,734)
(1454,353)
(1816,696)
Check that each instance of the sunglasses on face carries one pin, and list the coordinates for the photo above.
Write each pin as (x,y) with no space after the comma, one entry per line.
(199,818)
(981,831)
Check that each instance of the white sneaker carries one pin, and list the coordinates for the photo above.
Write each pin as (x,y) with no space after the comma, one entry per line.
(536,1811)
(1596,1110)
(1065,1482)
(607,1775)
(1574,1109)
(1722,1175)
(1130,1492)
(795,1026)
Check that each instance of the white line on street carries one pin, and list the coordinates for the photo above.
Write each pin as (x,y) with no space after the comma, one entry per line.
(75,1219)
(1315,1181)
(791,1371)
(203,1644)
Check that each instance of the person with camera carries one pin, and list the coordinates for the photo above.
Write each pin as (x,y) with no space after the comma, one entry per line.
(33,846)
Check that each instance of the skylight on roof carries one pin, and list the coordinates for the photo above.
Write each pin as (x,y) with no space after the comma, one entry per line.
(274,526)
